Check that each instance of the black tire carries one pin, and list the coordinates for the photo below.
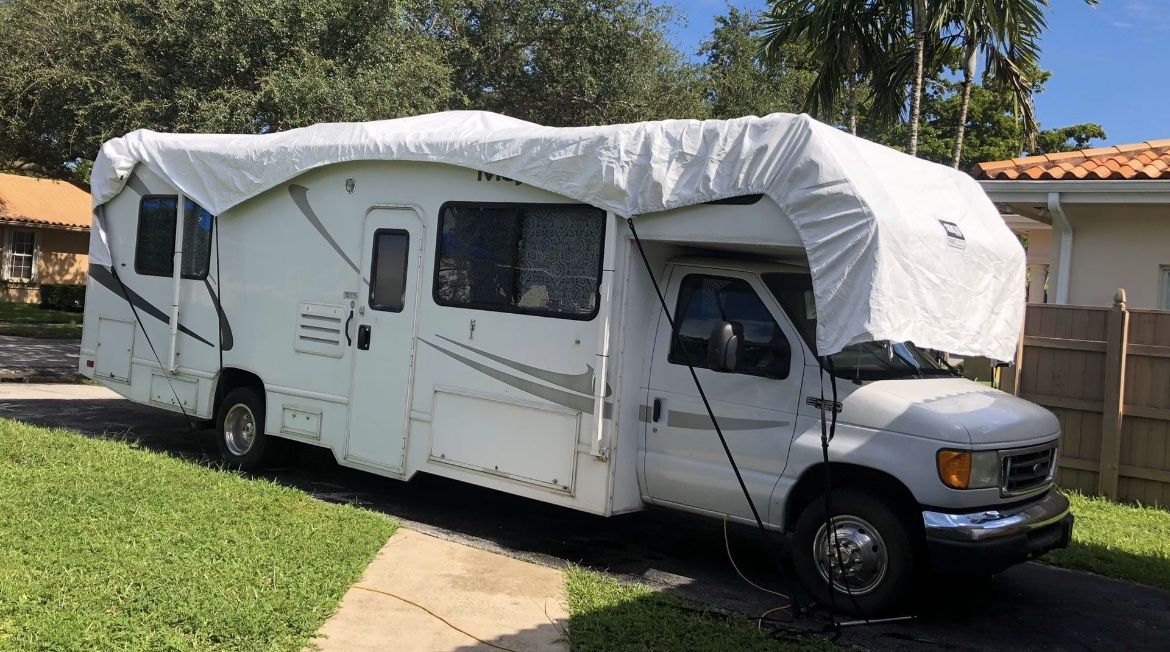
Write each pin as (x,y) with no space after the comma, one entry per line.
(245,407)
(868,527)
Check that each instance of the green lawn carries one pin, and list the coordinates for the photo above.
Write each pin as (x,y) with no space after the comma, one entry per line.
(608,616)
(1123,541)
(31,313)
(107,546)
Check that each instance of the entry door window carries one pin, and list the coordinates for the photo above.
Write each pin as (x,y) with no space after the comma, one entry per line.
(22,248)
(388,270)
(705,301)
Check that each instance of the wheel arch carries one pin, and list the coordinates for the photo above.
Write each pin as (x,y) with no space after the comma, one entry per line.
(850,476)
(233,377)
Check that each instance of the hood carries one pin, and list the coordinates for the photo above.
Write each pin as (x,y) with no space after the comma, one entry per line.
(954,410)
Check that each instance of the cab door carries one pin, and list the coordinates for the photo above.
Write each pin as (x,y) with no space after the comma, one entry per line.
(384,342)
(755,403)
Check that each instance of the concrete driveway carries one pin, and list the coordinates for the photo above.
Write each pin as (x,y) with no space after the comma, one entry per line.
(1029,607)
(29,359)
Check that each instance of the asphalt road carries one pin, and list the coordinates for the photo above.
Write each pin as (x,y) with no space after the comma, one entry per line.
(28,359)
(1029,607)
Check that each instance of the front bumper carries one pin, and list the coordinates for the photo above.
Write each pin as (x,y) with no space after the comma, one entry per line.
(991,540)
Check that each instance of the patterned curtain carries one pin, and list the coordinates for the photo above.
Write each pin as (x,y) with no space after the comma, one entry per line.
(560,256)
(540,259)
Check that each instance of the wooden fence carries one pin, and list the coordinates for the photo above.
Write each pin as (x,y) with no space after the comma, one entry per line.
(1105,373)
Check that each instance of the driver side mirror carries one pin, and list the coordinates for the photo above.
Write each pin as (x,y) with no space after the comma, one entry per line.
(723,348)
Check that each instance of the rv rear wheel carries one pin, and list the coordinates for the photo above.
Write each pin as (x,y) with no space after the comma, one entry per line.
(240,429)
(870,558)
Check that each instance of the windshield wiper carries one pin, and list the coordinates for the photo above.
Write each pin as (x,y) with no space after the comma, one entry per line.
(910,362)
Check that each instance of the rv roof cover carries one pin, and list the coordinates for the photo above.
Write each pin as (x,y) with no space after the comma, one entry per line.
(899,248)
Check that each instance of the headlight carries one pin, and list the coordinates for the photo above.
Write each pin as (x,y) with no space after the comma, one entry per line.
(968,469)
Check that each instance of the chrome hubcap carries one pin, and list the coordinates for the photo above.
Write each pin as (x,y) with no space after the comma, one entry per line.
(239,430)
(856,554)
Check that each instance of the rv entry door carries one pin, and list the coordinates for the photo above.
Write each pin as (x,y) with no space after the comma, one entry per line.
(753,383)
(382,336)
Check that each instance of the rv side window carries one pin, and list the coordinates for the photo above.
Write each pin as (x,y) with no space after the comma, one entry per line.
(537,259)
(154,251)
(388,270)
(705,301)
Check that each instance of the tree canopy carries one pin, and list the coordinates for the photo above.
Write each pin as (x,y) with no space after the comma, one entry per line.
(75,73)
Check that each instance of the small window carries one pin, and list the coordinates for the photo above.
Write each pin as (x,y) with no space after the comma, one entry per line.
(21,262)
(537,259)
(154,251)
(704,302)
(388,270)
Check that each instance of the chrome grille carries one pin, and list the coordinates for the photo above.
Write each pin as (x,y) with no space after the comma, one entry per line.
(1027,469)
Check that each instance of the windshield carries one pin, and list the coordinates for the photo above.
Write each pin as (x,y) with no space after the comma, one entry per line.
(865,361)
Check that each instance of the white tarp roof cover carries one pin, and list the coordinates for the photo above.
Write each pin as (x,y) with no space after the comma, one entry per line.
(899,248)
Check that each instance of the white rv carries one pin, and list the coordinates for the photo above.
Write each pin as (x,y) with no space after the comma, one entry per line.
(376,290)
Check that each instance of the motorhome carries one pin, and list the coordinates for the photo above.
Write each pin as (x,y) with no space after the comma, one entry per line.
(475,297)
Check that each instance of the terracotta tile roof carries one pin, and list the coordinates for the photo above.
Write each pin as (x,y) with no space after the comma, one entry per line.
(1149,160)
(49,202)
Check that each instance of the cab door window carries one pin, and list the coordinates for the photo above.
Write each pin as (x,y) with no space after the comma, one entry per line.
(706,301)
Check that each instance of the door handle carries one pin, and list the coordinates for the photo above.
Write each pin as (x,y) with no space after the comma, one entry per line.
(364,337)
(348,339)
(657,410)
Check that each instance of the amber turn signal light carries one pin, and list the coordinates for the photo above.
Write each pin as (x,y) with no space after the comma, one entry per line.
(954,468)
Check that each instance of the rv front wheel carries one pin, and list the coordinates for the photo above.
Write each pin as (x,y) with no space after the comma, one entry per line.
(240,430)
(867,564)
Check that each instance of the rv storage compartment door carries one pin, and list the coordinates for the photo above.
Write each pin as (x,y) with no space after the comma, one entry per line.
(115,346)
(528,442)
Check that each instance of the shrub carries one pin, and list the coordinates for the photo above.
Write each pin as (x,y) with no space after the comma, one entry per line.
(63,297)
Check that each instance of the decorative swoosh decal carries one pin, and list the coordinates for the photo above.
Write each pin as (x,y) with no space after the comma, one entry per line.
(300,197)
(571,401)
(105,276)
(225,329)
(582,382)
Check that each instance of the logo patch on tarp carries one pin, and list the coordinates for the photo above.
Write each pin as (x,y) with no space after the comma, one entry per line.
(955,239)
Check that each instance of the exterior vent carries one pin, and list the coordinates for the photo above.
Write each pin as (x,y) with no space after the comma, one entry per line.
(321,329)
(1027,470)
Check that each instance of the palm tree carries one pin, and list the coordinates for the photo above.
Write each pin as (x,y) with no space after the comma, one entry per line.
(1006,33)
(847,38)
(927,19)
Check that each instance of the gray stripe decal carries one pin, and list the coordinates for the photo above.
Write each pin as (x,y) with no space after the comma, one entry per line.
(571,401)
(137,186)
(105,276)
(582,382)
(691,421)
(301,199)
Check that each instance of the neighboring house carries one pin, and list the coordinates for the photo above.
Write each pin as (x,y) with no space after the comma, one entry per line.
(44,236)
(1096,220)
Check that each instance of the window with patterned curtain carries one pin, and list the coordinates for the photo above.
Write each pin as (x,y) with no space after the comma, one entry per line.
(541,259)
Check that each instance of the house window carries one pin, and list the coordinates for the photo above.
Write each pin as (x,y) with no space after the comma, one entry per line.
(535,259)
(20,264)
(1164,272)
(154,251)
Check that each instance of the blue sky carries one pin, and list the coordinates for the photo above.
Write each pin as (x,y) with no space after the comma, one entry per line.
(1110,63)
